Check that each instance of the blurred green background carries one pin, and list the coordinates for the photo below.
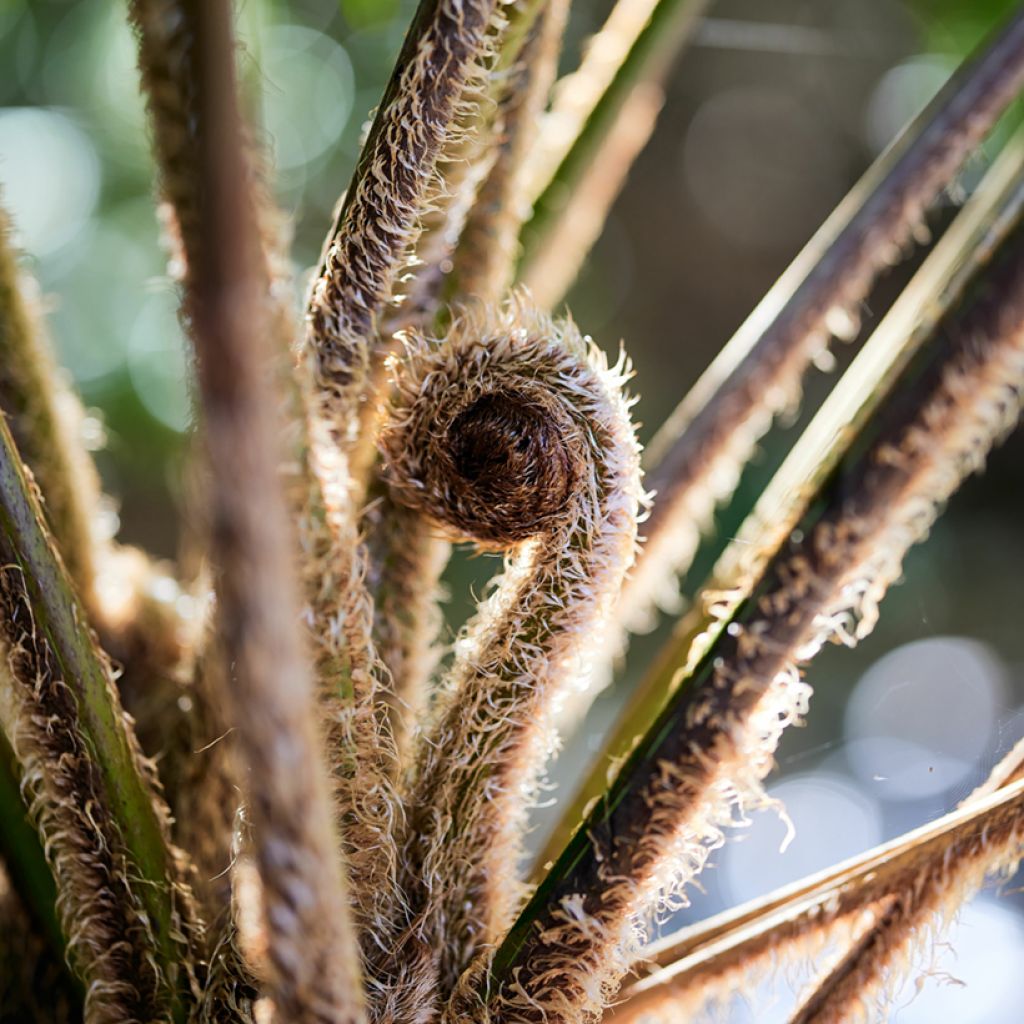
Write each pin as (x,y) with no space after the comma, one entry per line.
(772,114)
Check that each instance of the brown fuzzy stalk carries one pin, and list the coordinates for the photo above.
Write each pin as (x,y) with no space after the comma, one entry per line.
(735,948)
(311,949)
(513,433)
(676,793)
(337,609)
(922,905)
(378,223)
(697,456)
(47,422)
(406,559)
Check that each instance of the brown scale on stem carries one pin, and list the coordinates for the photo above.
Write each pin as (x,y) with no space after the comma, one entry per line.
(512,433)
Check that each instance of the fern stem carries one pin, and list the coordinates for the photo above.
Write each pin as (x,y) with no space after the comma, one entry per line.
(379,219)
(956,263)
(484,260)
(93,797)
(337,609)
(931,893)
(311,947)
(407,556)
(464,167)
(703,759)
(697,456)
(512,433)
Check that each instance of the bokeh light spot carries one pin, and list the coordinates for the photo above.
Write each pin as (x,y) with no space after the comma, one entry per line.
(900,95)
(755,162)
(50,176)
(923,716)
(832,820)
(158,361)
(309,91)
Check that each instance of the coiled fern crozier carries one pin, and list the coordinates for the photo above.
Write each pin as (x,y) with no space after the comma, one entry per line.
(331,828)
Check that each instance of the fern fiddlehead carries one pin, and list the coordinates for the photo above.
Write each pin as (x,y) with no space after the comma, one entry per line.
(513,433)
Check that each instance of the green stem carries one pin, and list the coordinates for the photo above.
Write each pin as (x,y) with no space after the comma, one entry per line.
(43,416)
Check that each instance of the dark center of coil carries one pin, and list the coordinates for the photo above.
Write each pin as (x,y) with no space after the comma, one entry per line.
(515,468)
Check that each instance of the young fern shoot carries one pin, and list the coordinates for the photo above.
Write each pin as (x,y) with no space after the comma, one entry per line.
(512,432)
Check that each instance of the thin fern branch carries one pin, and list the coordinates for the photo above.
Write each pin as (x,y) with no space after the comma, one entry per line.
(465,164)
(738,945)
(701,763)
(46,420)
(918,911)
(634,48)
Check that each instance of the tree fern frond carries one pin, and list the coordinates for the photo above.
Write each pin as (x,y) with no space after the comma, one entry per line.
(46,420)
(957,261)
(739,945)
(407,556)
(123,907)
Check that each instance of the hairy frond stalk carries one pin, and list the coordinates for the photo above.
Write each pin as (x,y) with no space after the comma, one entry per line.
(312,959)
